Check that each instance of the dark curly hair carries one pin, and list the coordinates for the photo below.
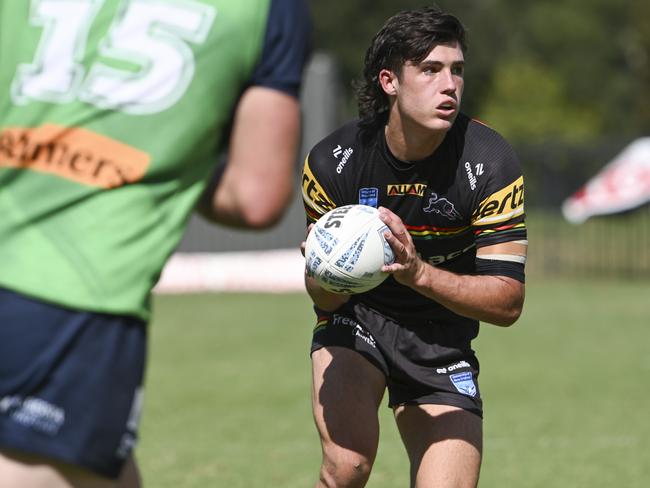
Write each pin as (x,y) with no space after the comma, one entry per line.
(407,36)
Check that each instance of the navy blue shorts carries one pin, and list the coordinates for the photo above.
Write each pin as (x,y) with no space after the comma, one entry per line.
(70,383)
(424,363)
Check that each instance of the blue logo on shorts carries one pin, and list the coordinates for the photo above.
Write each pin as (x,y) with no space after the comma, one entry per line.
(369,196)
(464,383)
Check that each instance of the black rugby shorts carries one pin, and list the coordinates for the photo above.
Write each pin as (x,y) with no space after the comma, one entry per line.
(424,363)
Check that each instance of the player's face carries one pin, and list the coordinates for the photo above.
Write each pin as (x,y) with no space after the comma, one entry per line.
(429,93)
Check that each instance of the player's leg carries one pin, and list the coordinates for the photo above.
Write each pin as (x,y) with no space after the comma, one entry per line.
(18,470)
(444,445)
(130,475)
(347,391)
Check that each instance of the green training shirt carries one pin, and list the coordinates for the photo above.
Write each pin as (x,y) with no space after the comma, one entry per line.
(112,114)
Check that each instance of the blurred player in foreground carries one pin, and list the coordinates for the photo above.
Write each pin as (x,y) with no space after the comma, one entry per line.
(113,114)
(451,191)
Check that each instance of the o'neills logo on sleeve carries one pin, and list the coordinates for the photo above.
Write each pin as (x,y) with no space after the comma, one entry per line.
(73,153)
(501,206)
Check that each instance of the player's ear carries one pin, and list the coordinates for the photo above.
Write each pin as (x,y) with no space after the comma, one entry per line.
(388,81)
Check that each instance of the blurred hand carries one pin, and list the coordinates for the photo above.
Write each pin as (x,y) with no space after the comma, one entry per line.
(304,243)
(408,266)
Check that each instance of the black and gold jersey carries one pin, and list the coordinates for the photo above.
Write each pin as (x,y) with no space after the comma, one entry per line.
(469,193)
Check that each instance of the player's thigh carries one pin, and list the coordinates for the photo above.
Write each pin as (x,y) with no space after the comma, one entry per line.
(444,445)
(27,471)
(347,391)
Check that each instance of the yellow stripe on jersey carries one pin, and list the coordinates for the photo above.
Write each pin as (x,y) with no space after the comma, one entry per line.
(313,194)
(501,206)
(428,232)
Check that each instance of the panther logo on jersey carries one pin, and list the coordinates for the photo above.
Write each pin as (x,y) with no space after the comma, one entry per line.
(441,206)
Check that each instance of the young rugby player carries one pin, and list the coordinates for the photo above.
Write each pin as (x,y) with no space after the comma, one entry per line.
(451,191)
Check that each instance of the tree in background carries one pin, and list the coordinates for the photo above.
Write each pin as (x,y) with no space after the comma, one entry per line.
(570,71)
(639,58)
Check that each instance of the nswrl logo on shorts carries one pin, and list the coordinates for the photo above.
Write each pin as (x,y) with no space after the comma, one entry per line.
(464,383)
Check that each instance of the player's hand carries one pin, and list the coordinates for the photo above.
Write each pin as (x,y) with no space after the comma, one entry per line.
(304,243)
(408,266)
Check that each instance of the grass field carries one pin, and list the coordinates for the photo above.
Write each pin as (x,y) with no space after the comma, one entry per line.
(566,393)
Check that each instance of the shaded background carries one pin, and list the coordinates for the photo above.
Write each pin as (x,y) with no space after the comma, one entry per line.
(567,83)
(565,390)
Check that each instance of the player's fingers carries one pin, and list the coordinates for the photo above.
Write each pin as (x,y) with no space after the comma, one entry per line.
(399,249)
(389,218)
(392,268)
(303,244)
(395,224)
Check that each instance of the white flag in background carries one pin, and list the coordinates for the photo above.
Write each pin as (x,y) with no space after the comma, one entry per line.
(623,184)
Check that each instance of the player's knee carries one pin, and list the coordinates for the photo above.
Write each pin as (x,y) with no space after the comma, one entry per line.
(351,472)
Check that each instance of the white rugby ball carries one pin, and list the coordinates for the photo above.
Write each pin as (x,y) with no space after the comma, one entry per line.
(346,249)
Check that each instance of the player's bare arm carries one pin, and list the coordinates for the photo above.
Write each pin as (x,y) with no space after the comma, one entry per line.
(323,299)
(494,299)
(261,161)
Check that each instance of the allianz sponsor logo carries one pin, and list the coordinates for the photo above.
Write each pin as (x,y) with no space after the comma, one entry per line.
(344,154)
(415,189)
(453,367)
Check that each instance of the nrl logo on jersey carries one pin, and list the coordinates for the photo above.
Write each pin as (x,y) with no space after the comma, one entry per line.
(416,189)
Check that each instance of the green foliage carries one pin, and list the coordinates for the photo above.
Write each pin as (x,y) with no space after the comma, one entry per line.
(529,102)
(590,57)
(637,48)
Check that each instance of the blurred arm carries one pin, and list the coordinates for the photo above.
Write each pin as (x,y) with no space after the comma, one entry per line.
(257,183)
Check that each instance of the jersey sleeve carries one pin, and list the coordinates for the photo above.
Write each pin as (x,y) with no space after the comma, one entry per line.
(499,215)
(324,183)
(287,45)
(317,190)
